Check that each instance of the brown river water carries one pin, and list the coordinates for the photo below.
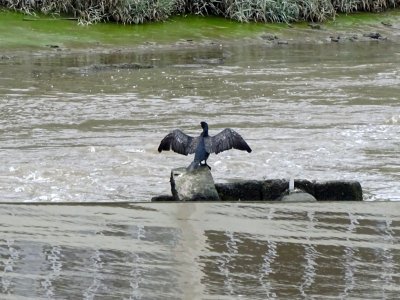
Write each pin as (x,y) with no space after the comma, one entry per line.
(73,133)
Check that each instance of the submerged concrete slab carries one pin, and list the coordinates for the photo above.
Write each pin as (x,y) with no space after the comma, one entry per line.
(298,196)
(194,185)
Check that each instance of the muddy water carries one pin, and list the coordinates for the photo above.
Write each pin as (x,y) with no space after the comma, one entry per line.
(72,132)
(200,251)
(75,133)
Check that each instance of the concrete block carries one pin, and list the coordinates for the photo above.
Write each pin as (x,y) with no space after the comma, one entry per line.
(338,190)
(244,190)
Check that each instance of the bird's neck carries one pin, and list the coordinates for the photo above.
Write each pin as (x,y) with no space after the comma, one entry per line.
(205,132)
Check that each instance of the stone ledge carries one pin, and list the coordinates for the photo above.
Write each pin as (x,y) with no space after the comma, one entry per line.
(199,186)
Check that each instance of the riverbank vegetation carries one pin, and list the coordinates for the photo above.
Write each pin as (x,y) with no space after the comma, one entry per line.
(140,11)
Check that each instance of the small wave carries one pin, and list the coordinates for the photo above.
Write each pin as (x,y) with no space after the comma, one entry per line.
(137,150)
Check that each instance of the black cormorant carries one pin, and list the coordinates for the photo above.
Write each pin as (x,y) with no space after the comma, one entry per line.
(202,145)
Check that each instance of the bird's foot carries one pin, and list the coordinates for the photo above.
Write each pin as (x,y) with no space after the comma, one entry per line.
(205,164)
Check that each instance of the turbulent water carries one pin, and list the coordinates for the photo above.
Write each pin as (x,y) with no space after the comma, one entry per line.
(73,131)
(84,128)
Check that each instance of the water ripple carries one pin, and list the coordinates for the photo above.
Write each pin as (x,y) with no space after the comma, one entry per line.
(94,137)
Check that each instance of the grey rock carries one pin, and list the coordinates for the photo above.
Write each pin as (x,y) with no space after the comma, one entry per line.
(387,24)
(315,26)
(110,67)
(374,35)
(269,37)
(335,39)
(193,185)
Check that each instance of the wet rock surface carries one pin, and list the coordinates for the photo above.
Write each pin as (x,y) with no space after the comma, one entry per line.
(338,190)
(110,67)
(246,190)
(374,36)
(193,186)
(276,189)
(315,26)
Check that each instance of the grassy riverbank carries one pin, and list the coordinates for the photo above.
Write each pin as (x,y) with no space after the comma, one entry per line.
(18,32)
(140,11)
(41,32)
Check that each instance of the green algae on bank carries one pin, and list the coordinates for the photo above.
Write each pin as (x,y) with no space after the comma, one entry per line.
(343,20)
(42,31)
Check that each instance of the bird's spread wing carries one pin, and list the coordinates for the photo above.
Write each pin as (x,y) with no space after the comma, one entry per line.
(225,140)
(179,142)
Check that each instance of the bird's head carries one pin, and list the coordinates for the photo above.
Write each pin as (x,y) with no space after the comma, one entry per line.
(204,125)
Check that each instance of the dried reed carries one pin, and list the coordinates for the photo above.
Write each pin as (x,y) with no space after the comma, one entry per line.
(139,11)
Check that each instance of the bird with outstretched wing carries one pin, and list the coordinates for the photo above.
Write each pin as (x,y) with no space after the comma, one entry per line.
(203,145)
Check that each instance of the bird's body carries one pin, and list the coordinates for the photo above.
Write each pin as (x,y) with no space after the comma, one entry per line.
(202,145)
